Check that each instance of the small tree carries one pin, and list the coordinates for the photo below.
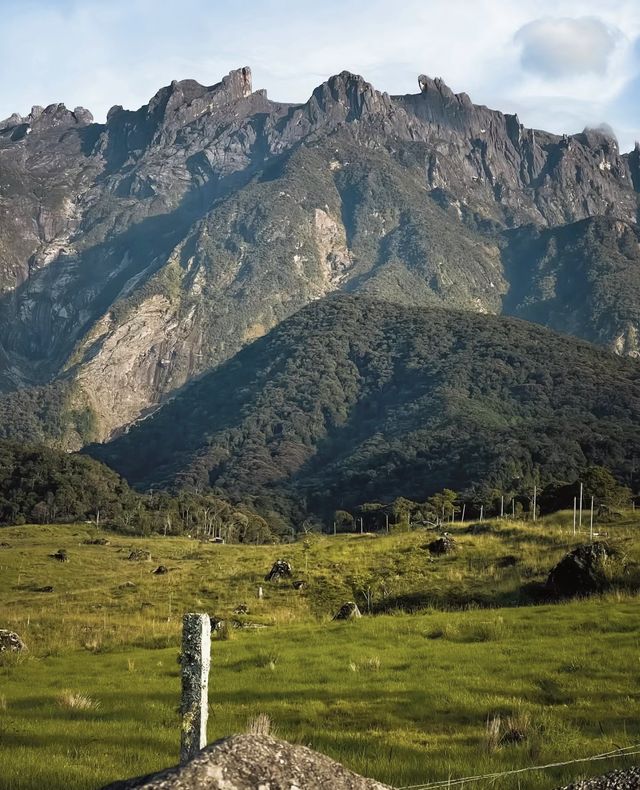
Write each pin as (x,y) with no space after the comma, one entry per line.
(600,484)
(344,520)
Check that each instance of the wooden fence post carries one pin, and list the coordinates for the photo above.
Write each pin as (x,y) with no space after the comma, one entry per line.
(195,660)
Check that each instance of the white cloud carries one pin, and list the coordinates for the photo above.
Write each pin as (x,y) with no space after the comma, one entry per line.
(565,47)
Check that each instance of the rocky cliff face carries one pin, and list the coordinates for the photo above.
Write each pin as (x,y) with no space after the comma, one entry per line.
(138,253)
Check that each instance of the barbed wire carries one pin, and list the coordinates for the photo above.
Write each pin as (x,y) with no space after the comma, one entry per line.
(627,751)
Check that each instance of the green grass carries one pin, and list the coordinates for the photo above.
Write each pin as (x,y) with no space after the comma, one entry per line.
(404,697)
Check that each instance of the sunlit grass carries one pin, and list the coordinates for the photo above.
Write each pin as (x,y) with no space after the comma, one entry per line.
(404,697)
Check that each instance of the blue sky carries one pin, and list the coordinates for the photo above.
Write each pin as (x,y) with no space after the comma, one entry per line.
(561,64)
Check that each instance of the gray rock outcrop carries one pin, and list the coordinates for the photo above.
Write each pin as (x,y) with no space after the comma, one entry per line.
(254,762)
(281,569)
(444,545)
(139,555)
(580,572)
(348,611)
(11,642)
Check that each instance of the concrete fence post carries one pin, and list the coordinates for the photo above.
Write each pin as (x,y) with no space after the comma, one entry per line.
(195,661)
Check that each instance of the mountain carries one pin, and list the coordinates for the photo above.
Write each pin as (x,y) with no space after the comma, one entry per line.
(581,279)
(138,254)
(354,399)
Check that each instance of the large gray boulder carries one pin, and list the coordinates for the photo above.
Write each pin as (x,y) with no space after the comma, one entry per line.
(581,572)
(250,762)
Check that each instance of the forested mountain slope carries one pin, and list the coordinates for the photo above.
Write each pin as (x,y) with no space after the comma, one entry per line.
(354,399)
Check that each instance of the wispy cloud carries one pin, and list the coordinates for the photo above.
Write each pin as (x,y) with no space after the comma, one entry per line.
(560,63)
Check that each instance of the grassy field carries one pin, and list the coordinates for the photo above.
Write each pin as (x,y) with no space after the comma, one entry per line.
(443,678)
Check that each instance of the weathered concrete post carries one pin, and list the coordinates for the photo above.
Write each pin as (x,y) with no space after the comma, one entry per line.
(195,660)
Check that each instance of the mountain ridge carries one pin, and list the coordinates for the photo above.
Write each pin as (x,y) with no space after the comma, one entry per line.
(137,254)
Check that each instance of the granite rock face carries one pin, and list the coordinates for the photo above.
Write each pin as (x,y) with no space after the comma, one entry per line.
(138,253)
(251,762)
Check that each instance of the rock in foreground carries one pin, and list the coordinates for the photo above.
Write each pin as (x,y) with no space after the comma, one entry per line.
(616,780)
(249,762)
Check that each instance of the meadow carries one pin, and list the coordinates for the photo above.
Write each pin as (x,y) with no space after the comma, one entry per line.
(458,668)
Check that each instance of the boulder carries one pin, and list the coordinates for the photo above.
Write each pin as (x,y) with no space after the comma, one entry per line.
(10,642)
(140,555)
(280,569)
(96,542)
(46,589)
(298,585)
(243,624)
(348,611)
(160,570)
(241,609)
(4,545)
(217,623)
(443,545)
(248,762)
(580,572)
(60,555)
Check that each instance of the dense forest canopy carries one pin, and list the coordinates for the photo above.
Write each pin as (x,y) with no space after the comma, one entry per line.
(355,400)
(41,485)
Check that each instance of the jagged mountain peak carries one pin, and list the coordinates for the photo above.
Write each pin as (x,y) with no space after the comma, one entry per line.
(136,254)
(183,101)
(600,136)
(56,114)
(350,95)
(428,85)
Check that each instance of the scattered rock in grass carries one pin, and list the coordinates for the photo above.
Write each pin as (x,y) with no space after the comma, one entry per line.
(146,605)
(298,585)
(140,555)
(217,623)
(245,761)
(60,555)
(4,545)
(46,589)
(241,609)
(581,572)
(348,611)
(127,586)
(160,570)
(241,624)
(444,545)
(281,569)
(96,542)
(508,561)
(10,642)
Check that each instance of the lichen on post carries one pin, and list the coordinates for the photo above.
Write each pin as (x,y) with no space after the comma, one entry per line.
(195,661)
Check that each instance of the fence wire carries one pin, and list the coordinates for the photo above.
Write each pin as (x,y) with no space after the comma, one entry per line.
(627,751)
